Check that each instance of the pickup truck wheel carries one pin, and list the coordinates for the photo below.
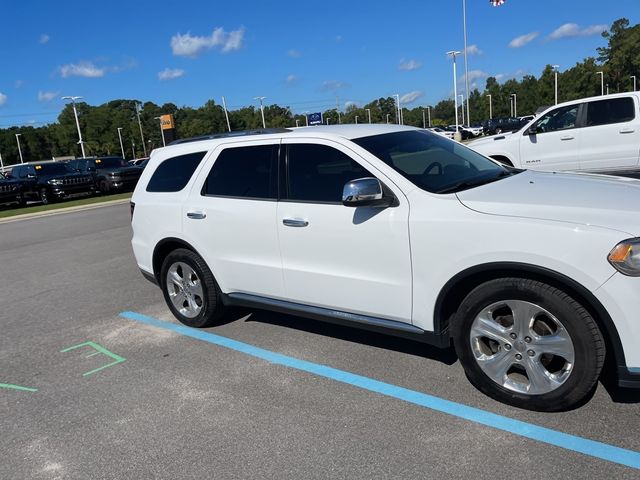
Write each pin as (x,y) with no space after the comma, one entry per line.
(104,186)
(190,290)
(528,344)
(44,196)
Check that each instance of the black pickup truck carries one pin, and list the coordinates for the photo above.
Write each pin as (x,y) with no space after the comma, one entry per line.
(51,181)
(10,191)
(109,173)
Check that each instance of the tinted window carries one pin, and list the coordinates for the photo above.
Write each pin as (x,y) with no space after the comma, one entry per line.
(173,174)
(559,119)
(318,173)
(431,161)
(249,172)
(52,169)
(615,110)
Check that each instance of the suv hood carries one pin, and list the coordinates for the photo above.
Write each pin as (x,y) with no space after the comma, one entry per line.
(501,137)
(586,199)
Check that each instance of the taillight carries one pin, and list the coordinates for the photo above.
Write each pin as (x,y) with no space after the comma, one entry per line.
(133,206)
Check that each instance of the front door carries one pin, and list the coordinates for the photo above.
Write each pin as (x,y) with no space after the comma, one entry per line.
(355,260)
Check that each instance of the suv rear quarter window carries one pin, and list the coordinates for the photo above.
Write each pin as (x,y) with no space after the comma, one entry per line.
(173,174)
(614,110)
(244,172)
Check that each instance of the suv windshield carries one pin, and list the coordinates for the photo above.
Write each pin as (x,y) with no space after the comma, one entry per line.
(432,162)
(52,169)
(109,163)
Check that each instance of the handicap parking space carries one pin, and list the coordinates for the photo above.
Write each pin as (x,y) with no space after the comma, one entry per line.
(113,387)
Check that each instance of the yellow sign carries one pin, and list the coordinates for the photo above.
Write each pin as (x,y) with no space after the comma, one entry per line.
(166,122)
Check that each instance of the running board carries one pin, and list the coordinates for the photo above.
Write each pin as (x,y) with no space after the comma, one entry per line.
(380,325)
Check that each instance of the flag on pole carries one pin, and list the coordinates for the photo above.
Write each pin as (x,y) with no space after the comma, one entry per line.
(496,3)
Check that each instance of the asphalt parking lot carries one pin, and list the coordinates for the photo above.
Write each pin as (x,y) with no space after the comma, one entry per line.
(89,391)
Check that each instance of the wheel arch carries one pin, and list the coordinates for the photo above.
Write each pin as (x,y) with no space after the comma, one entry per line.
(458,287)
(503,159)
(163,248)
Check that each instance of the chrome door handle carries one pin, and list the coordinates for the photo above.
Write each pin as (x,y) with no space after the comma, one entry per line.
(627,130)
(294,222)
(196,215)
(568,137)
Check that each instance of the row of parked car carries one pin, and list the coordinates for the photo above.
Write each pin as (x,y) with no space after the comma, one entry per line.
(53,181)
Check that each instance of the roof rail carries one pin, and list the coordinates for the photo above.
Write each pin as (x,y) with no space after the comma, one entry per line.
(239,133)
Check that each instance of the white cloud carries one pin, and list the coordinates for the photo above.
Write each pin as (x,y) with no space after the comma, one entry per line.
(573,30)
(81,69)
(522,40)
(291,79)
(3,99)
(44,38)
(473,50)
(411,97)
(188,45)
(170,73)
(332,85)
(47,96)
(350,104)
(501,77)
(409,65)
(294,53)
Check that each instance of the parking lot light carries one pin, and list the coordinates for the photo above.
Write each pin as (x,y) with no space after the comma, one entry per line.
(19,149)
(490,108)
(264,125)
(161,130)
(356,119)
(515,104)
(429,114)
(601,82)
(555,72)
(75,113)
(633,77)
(144,148)
(121,145)
(368,113)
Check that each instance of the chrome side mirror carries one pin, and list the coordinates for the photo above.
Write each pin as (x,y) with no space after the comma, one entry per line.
(364,192)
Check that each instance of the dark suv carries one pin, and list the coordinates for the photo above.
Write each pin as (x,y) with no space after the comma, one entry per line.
(109,173)
(10,190)
(51,181)
(500,125)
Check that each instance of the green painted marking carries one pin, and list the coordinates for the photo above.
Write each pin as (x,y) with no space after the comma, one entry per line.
(99,349)
(18,387)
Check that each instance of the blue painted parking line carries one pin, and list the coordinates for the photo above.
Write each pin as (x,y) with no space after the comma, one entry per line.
(585,446)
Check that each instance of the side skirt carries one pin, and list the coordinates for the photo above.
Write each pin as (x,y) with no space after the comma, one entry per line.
(373,324)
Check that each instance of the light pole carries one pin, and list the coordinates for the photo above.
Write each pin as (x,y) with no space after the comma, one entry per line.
(634,82)
(327,119)
(466,69)
(429,114)
(1,164)
(161,130)
(387,118)
(607,89)
(226,113)
(133,148)
(144,148)
(398,112)
(368,113)
(555,74)
(19,149)
(490,109)
(601,82)
(453,54)
(297,122)
(424,121)
(356,119)
(462,106)
(515,104)
(510,106)
(75,112)
(264,125)
(120,137)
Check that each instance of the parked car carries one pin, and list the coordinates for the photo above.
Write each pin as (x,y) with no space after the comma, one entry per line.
(109,173)
(476,130)
(496,126)
(377,226)
(595,135)
(440,131)
(464,133)
(137,161)
(10,191)
(51,181)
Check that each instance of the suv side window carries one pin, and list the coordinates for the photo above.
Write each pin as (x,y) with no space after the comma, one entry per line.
(244,172)
(561,118)
(318,173)
(173,174)
(615,110)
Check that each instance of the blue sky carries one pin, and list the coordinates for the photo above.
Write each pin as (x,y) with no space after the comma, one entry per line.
(301,54)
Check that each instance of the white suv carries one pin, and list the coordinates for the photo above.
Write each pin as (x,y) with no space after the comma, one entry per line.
(597,135)
(405,232)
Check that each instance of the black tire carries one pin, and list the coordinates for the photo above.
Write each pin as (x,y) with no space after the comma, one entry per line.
(44,197)
(104,187)
(212,310)
(586,339)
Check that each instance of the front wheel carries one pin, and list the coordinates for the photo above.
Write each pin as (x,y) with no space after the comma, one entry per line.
(528,344)
(44,196)
(191,292)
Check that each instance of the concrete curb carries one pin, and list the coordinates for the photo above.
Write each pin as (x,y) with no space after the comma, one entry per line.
(63,210)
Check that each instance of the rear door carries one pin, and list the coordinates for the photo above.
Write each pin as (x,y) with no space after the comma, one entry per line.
(231,215)
(611,139)
(347,259)
(556,143)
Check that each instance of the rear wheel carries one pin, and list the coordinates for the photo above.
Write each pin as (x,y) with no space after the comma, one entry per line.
(190,290)
(528,344)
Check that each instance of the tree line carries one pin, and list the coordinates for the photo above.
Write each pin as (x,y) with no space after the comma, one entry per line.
(618,60)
